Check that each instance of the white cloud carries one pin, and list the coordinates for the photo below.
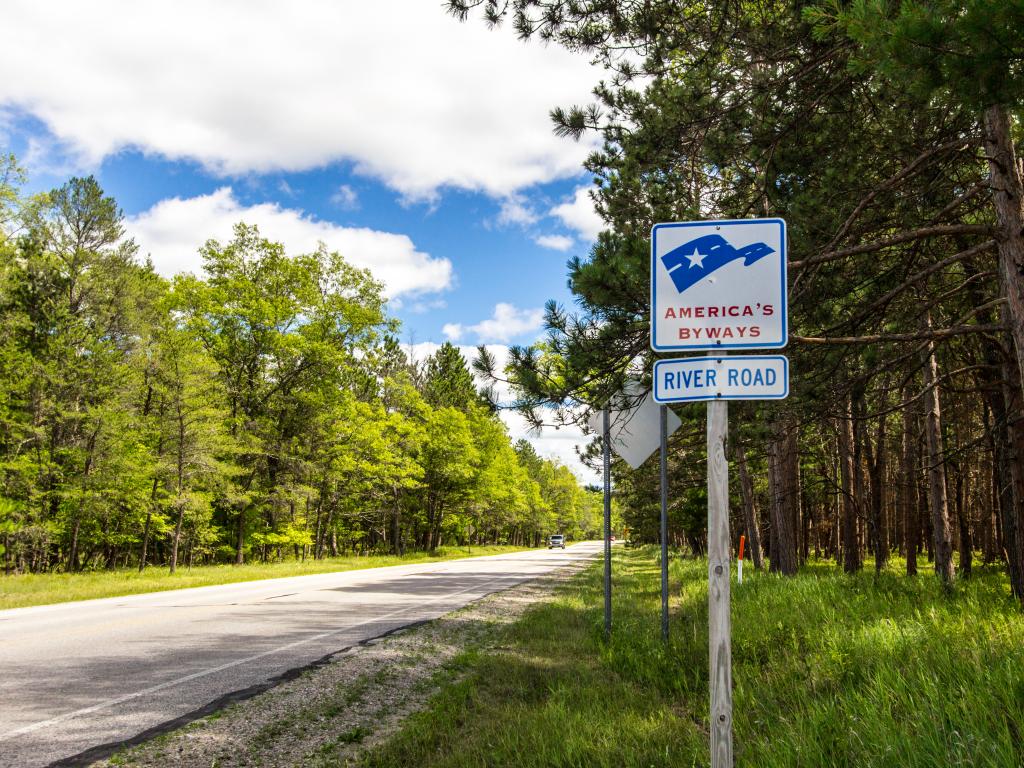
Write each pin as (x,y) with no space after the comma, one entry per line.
(173,230)
(515,210)
(507,322)
(559,444)
(579,214)
(399,88)
(554,242)
(345,198)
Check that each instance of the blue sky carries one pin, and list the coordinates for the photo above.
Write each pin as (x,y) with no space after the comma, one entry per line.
(417,146)
(493,260)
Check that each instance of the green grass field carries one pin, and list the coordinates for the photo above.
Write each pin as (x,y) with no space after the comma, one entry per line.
(829,670)
(46,588)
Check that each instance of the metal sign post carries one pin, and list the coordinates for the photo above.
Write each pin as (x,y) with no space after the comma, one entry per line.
(717,285)
(627,426)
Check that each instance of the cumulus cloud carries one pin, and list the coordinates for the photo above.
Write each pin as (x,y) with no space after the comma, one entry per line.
(398,88)
(172,231)
(515,210)
(554,242)
(579,214)
(507,322)
(559,444)
(452,331)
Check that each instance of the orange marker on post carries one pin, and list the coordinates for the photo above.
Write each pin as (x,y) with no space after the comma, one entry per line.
(739,564)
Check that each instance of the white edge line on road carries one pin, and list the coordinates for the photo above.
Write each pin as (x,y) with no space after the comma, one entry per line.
(213,670)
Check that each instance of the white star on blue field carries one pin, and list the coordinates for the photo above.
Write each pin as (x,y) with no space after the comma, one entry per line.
(417,146)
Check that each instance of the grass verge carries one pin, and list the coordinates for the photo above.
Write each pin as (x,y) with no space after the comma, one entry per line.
(46,588)
(829,670)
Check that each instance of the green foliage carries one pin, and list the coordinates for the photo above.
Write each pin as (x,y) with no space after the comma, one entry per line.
(261,410)
(970,50)
(448,382)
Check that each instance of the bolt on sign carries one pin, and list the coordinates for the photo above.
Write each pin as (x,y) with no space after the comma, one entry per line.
(718,285)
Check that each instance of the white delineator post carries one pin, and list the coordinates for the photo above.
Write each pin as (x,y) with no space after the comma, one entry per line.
(719,622)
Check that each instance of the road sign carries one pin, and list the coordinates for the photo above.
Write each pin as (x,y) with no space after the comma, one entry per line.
(736,377)
(718,285)
(634,427)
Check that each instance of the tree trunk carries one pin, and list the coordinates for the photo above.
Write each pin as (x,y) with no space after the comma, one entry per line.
(876,474)
(73,550)
(1013,512)
(783,553)
(1008,201)
(860,481)
(145,538)
(749,507)
(908,485)
(966,543)
(793,489)
(177,536)
(851,548)
(943,543)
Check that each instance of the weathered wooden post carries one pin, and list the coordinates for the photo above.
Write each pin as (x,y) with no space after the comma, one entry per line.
(719,621)
(663,414)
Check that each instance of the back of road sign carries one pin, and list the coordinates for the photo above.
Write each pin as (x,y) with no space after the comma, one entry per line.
(634,427)
(718,285)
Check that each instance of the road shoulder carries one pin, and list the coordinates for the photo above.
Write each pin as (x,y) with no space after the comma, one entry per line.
(335,710)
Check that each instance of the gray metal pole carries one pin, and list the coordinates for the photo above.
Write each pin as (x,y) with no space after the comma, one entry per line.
(719,623)
(607,527)
(664,522)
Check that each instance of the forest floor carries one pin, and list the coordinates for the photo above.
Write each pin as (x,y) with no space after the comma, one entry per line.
(46,588)
(829,670)
(334,713)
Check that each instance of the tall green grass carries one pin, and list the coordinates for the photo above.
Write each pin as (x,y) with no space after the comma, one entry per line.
(46,588)
(829,670)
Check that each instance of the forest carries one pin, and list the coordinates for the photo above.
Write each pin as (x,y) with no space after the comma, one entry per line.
(262,410)
(885,134)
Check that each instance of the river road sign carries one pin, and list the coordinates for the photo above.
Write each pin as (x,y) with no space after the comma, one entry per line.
(736,377)
(718,285)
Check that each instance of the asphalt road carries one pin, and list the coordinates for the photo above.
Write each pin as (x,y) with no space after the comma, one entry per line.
(78,678)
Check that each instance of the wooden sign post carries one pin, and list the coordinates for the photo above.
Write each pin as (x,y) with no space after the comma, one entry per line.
(719,621)
(664,520)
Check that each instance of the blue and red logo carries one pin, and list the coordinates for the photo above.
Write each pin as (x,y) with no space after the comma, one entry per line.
(688,264)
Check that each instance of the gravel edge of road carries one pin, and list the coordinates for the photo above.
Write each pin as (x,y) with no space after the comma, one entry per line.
(332,711)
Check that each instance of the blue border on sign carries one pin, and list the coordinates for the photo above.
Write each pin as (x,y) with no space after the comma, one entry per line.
(654,297)
(704,359)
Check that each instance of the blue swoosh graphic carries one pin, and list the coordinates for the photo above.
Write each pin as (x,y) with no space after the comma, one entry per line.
(717,252)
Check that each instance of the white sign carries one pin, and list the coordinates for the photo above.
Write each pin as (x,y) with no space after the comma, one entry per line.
(718,285)
(635,431)
(740,377)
